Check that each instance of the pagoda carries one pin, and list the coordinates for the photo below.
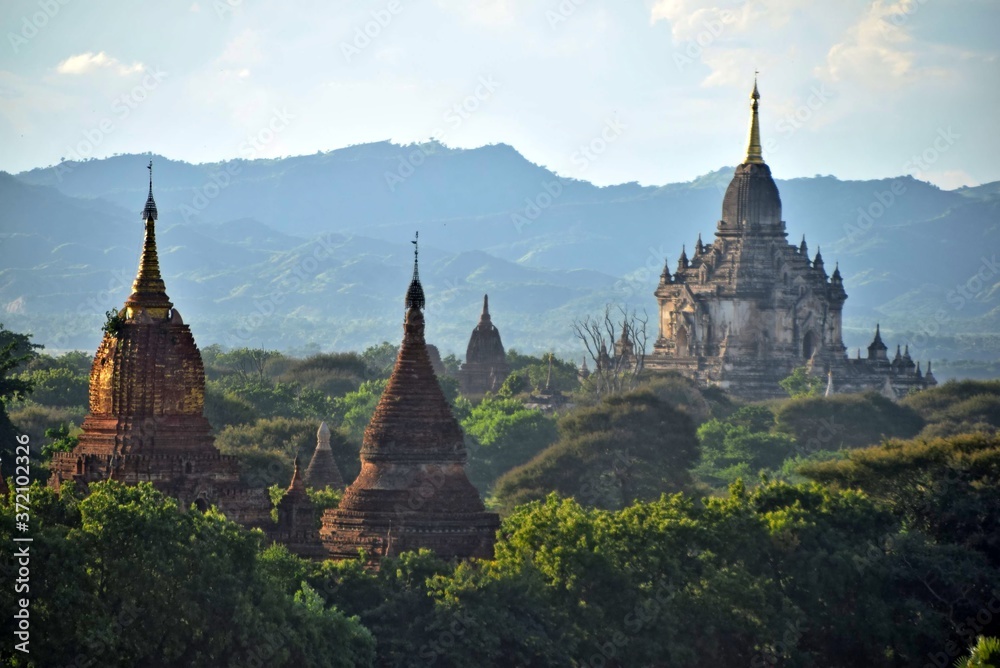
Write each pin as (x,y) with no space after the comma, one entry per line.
(322,471)
(485,367)
(147,397)
(748,308)
(412,491)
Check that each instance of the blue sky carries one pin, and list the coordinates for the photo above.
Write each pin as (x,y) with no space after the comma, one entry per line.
(657,89)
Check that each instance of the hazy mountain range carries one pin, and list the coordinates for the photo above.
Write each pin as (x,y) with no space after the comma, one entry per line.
(313,251)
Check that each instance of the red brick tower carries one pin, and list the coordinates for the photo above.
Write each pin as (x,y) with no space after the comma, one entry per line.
(412,491)
(147,395)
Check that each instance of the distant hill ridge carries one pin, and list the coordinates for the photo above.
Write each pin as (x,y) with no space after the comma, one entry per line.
(313,250)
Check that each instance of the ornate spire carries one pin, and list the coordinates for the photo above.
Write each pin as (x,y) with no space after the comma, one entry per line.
(699,247)
(836,272)
(877,349)
(682,261)
(148,290)
(485,317)
(803,249)
(415,294)
(754,151)
(149,211)
(665,276)
(929,376)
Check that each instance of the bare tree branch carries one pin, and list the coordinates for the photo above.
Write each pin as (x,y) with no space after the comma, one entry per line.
(616,342)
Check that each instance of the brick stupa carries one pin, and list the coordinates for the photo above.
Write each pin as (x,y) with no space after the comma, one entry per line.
(485,367)
(412,491)
(147,397)
(322,471)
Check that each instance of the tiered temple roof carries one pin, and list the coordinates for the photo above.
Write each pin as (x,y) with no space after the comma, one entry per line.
(745,310)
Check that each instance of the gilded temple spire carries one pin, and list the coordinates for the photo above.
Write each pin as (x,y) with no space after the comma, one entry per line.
(754,151)
(149,293)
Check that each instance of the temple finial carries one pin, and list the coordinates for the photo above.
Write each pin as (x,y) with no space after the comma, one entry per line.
(148,290)
(755,154)
(415,294)
(149,211)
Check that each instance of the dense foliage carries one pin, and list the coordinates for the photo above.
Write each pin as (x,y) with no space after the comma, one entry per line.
(629,446)
(123,578)
(660,527)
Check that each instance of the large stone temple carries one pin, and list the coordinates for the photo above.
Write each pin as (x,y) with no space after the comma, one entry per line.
(743,311)
(412,491)
(485,367)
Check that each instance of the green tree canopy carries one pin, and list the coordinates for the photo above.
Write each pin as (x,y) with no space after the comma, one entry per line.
(123,578)
(502,434)
(629,446)
(845,421)
(801,383)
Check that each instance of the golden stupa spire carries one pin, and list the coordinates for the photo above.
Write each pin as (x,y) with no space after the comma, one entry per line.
(754,152)
(148,289)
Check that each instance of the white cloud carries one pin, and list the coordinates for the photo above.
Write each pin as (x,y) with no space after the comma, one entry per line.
(689,20)
(88,62)
(876,47)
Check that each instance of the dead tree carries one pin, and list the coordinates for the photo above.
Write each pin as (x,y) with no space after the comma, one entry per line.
(616,342)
